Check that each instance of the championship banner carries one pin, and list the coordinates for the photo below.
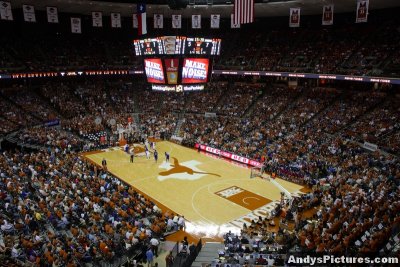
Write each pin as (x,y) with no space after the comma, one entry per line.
(158,21)
(215,19)
(176,21)
(154,70)
(5,11)
(233,25)
(171,65)
(362,11)
(76,26)
(97,19)
(195,70)
(29,13)
(135,21)
(52,14)
(115,20)
(294,20)
(327,15)
(196,21)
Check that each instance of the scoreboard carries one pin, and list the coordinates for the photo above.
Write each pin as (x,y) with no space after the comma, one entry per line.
(202,46)
(177,45)
(149,47)
(177,71)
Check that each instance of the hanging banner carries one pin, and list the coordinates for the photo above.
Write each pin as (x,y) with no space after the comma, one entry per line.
(141,18)
(327,15)
(5,11)
(294,20)
(176,21)
(76,26)
(233,25)
(29,13)
(115,20)
(135,21)
(52,14)
(214,23)
(196,21)
(362,11)
(158,21)
(97,19)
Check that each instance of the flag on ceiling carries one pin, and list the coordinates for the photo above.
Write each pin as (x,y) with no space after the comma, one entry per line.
(214,22)
(362,11)
(115,20)
(327,15)
(158,21)
(243,11)
(135,21)
(196,21)
(29,13)
(141,17)
(97,19)
(294,19)
(76,26)
(5,11)
(233,25)
(52,14)
(176,21)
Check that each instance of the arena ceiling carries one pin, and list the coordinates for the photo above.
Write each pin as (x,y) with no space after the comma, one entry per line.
(263,8)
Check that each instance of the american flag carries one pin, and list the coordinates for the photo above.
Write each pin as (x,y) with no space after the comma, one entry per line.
(243,11)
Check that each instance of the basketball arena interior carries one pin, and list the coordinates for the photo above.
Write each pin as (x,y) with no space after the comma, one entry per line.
(204,133)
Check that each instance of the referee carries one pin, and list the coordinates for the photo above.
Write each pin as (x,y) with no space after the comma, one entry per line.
(132,156)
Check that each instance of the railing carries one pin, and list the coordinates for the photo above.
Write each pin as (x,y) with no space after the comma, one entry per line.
(187,261)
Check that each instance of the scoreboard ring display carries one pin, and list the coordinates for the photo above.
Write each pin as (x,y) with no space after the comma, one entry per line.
(177,45)
(177,63)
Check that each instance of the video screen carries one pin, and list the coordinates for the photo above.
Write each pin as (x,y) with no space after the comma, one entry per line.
(195,70)
(172,66)
(154,70)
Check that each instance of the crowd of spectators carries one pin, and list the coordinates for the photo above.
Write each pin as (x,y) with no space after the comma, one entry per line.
(377,124)
(59,209)
(304,135)
(14,116)
(30,102)
(348,48)
(235,103)
(201,102)
(51,138)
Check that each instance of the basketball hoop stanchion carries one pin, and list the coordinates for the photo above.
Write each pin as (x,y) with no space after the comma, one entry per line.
(258,172)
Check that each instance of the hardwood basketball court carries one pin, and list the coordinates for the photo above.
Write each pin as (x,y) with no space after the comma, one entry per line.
(211,193)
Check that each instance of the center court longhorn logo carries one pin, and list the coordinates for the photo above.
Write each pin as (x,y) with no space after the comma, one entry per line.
(183,171)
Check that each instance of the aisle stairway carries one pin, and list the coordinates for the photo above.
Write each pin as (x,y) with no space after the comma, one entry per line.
(208,253)
(181,120)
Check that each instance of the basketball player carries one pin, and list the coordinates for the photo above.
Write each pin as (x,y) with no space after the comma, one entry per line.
(155,155)
(166,157)
(147,152)
(104,164)
(132,156)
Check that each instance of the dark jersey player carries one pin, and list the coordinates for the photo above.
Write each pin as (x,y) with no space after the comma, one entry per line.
(155,155)
(166,157)
(104,164)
